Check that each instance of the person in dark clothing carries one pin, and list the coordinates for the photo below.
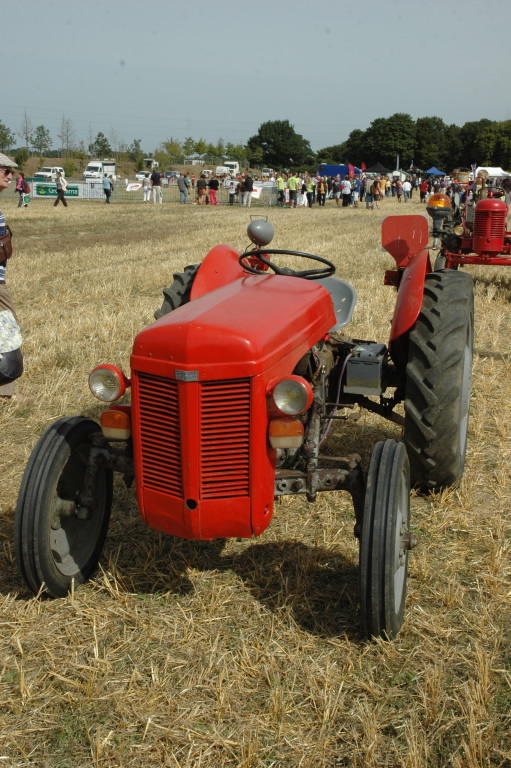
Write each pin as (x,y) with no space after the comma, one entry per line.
(156,185)
(213,189)
(247,194)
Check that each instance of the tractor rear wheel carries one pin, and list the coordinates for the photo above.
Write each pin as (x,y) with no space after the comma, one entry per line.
(178,292)
(438,381)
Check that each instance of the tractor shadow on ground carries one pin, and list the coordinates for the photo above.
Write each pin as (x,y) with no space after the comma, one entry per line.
(318,587)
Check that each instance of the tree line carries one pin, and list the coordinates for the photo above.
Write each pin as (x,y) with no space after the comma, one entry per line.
(422,143)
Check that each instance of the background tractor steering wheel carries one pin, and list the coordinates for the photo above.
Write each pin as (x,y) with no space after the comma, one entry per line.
(262,254)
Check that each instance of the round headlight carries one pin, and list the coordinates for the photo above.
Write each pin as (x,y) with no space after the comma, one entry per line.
(292,395)
(107,383)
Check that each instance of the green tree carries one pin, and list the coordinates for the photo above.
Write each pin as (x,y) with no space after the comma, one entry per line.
(390,137)
(21,156)
(100,147)
(502,156)
(200,146)
(220,148)
(7,138)
(432,144)
(281,146)
(236,152)
(189,145)
(173,149)
(455,146)
(354,148)
(41,140)
(333,154)
(469,135)
(135,153)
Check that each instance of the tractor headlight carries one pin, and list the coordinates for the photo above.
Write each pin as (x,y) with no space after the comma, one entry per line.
(107,383)
(292,395)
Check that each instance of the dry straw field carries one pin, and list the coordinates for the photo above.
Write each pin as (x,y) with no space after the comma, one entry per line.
(247,654)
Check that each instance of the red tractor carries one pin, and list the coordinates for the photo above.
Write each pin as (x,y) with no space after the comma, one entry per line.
(470,233)
(234,390)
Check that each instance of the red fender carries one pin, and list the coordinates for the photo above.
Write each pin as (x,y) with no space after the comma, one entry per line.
(219,267)
(405,238)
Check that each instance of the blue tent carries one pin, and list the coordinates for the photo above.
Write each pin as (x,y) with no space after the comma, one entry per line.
(434,172)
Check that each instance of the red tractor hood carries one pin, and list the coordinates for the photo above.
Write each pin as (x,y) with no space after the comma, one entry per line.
(252,323)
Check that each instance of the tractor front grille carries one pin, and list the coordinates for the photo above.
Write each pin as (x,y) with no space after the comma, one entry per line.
(223,441)
(160,438)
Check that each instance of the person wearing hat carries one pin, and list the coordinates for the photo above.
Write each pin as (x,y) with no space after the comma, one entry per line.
(7,167)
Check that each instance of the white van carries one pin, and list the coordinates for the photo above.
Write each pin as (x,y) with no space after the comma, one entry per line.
(48,173)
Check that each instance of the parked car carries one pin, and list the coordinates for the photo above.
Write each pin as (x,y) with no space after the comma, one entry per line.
(172,174)
(48,173)
(141,174)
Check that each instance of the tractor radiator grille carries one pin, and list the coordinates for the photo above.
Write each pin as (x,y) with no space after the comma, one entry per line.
(224,440)
(159,435)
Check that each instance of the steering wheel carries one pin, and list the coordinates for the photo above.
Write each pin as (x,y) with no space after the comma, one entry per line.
(262,254)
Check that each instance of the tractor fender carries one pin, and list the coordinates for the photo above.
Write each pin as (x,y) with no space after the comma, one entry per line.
(408,305)
(220,266)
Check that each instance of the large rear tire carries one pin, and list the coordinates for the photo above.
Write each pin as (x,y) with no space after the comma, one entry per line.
(57,542)
(178,292)
(385,541)
(439,380)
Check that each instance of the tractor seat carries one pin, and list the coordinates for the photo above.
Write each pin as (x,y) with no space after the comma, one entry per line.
(344,298)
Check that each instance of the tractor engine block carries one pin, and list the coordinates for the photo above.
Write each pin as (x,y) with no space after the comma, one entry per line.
(489,226)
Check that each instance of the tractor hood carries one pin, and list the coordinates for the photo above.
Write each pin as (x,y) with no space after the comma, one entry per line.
(242,328)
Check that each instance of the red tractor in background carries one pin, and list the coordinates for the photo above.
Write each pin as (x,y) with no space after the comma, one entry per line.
(470,231)
(234,391)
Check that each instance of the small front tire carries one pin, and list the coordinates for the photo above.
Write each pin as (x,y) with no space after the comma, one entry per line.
(385,541)
(57,542)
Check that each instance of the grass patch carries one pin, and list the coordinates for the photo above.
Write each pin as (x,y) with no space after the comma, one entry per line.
(247,653)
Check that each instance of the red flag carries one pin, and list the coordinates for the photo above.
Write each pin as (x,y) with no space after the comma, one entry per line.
(351,170)
(362,166)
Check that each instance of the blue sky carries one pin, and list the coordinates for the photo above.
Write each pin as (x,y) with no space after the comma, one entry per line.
(159,69)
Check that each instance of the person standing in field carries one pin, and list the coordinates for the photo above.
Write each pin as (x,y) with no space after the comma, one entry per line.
(213,189)
(156,187)
(61,185)
(232,192)
(201,189)
(7,167)
(376,189)
(182,185)
(107,188)
(355,191)
(322,187)
(346,192)
(247,194)
(292,185)
(21,189)
(281,187)
(146,186)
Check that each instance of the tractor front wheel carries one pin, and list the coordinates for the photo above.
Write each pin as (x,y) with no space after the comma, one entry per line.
(385,541)
(57,540)
(438,381)
(178,292)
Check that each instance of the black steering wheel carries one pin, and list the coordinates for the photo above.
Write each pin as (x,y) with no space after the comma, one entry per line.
(262,254)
